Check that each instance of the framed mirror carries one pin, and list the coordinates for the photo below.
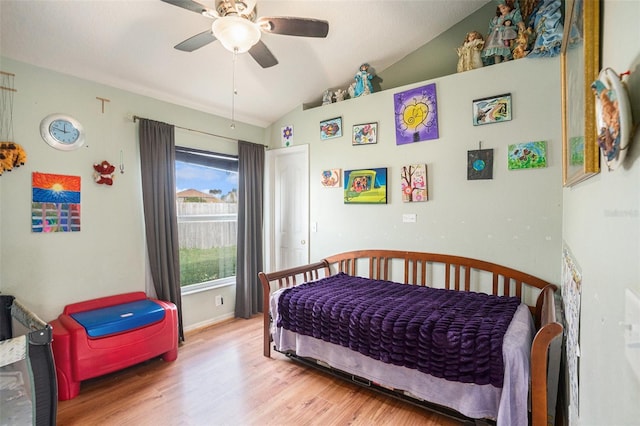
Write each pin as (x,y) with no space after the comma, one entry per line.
(580,64)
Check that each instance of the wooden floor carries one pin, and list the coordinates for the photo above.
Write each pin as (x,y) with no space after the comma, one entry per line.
(222,378)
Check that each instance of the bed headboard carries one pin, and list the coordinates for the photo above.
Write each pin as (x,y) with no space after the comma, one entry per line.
(442,270)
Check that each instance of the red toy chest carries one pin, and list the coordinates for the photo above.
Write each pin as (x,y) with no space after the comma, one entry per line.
(79,357)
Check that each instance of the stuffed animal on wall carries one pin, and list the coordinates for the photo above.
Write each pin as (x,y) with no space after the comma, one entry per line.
(103,173)
(11,155)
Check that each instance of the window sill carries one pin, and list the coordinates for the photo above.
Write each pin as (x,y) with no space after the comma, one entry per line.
(209,285)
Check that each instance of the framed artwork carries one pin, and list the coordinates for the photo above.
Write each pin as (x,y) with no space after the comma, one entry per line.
(494,109)
(286,135)
(416,114)
(413,182)
(365,186)
(528,155)
(55,203)
(365,134)
(579,65)
(331,128)
(330,178)
(480,164)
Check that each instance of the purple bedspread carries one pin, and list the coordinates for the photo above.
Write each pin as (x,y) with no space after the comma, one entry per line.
(449,334)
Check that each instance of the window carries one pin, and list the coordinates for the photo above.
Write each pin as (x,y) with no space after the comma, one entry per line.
(207,209)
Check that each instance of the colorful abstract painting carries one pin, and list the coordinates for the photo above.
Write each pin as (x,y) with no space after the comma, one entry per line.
(494,109)
(55,205)
(365,134)
(330,178)
(413,181)
(416,112)
(528,155)
(480,164)
(331,128)
(365,186)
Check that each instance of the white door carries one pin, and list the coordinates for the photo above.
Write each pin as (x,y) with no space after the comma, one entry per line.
(287,207)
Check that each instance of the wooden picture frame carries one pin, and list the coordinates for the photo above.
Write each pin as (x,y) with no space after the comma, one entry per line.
(331,128)
(365,134)
(492,109)
(579,65)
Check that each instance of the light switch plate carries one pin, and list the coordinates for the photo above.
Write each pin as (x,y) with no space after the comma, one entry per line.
(409,217)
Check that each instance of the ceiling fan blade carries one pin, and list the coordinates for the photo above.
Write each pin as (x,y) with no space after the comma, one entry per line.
(196,42)
(189,5)
(285,25)
(263,56)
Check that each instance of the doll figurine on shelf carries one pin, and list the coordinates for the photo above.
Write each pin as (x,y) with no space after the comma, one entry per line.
(502,32)
(469,57)
(363,85)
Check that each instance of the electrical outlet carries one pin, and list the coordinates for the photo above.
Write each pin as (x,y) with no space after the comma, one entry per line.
(219,300)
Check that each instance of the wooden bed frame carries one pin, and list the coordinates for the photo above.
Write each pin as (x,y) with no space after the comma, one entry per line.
(456,273)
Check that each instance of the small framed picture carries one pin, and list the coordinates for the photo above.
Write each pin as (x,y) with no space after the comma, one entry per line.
(331,178)
(365,134)
(494,109)
(331,128)
(480,164)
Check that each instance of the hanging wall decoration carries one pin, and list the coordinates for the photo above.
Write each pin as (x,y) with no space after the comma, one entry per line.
(413,181)
(529,155)
(11,154)
(286,135)
(416,114)
(103,173)
(365,186)
(480,164)
(55,203)
(494,109)
(331,128)
(613,117)
(330,178)
(365,134)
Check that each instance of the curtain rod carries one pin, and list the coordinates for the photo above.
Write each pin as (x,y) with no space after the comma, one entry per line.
(136,118)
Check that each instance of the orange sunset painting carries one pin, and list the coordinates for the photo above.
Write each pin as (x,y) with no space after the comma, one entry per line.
(55,205)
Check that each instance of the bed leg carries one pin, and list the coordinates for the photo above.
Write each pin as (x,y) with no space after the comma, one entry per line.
(266,334)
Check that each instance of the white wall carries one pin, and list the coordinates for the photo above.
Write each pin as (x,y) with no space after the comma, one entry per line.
(601,223)
(514,219)
(48,271)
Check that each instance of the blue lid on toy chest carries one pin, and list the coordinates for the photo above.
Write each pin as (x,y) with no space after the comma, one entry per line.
(119,318)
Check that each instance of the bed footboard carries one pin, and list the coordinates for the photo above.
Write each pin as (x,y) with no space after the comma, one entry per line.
(285,278)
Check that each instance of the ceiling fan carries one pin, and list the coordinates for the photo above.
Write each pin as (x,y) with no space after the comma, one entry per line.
(238,28)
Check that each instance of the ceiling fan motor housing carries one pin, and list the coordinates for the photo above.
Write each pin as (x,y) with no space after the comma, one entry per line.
(245,8)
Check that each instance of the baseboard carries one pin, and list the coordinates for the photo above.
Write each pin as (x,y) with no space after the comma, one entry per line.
(209,322)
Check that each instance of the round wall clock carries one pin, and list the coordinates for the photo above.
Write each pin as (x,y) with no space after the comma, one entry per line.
(62,132)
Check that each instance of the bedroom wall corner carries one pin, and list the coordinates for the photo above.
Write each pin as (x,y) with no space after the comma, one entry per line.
(601,226)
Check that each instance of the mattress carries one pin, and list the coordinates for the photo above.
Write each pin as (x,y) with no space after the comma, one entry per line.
(119,318)
(507,405)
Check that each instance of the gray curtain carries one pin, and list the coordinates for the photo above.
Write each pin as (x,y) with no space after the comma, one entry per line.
(157,164)
(249,256)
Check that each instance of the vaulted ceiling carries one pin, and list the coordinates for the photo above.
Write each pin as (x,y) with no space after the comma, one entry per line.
(128,44)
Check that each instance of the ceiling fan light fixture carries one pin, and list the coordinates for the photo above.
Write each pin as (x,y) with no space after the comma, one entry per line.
(236,33)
